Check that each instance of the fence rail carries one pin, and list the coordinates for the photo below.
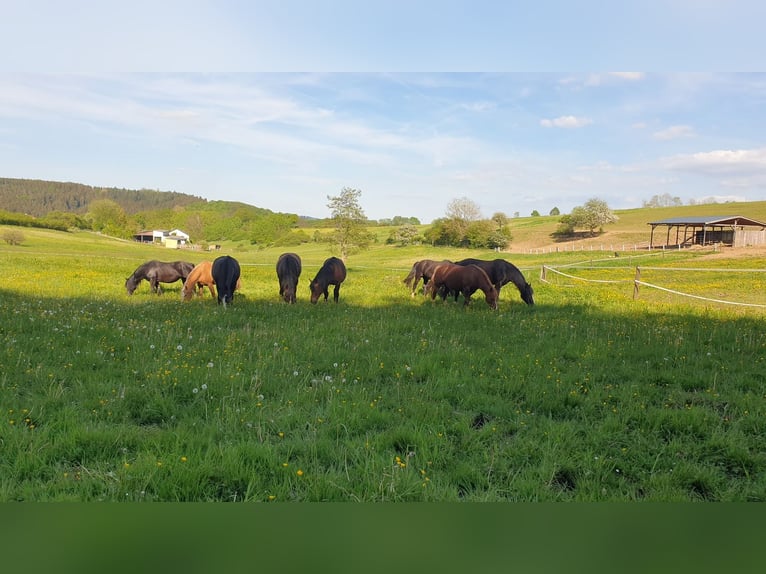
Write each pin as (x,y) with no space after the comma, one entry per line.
(638,282)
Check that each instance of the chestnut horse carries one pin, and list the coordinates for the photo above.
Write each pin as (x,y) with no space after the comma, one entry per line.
(288,272)
(225,271)
(465,279)
(501,272)
(332,272)
(156,272)
(422,269)
(199,278)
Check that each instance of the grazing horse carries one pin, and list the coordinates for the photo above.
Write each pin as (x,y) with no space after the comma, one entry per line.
(199,278)
(225,271)
(501,272)
(332,272)
(288,272)
(156,272)
(465,279)
(422,269)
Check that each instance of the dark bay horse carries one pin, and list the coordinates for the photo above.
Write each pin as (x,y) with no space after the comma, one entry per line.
(422,269)
(501,272)
(465,279)
(156,272)
(332,272)
(288,272)
(225,271)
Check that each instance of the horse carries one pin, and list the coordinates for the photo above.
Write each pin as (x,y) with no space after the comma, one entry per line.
(156,272)
(422,269)
(199,278)
(501,272)
(225,271)
(288,272)
(465,279)
(332,272)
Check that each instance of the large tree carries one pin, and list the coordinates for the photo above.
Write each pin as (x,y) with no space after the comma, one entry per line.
(349,220)
(594,214)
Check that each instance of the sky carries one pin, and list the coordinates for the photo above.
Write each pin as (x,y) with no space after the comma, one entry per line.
(283,104)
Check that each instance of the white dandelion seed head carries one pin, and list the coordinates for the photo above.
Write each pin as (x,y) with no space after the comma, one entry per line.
(151,347)
(195,390)
(210,365)
(295,373)
(204,386)
(179,348)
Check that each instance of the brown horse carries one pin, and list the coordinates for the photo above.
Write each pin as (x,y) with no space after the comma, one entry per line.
(288,272)
(449,277)
(156,272)
(332,272)
(199,278)
(501,272)
(422,269)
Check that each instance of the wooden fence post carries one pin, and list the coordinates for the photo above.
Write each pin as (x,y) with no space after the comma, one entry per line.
(635,283)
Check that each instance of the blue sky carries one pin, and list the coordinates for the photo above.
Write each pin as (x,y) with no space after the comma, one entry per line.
(95,103)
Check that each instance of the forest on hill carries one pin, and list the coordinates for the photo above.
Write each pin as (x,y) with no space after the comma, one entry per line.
(38,198)
(123,212)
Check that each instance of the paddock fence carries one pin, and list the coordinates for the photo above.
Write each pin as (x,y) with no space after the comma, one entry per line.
(572,279)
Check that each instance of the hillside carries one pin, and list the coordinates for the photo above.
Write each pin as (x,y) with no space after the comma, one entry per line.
(38,198)
(631,229)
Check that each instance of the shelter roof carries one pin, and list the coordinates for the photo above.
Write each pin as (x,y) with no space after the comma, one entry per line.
(705,220)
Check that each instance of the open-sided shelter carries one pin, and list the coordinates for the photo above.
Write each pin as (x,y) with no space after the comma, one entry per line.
(733,230)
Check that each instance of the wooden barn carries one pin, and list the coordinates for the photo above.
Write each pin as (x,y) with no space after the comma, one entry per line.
(732,230)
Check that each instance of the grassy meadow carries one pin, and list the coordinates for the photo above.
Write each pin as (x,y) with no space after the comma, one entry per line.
(590,395)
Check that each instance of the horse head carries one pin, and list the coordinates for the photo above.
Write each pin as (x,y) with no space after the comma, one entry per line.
(130,284)
(491,297)
(527,294)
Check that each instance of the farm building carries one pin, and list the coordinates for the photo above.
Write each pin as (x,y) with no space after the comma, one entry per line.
(732,230)
(173,239)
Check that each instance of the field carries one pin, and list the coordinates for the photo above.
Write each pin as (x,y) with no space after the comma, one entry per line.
(590,395)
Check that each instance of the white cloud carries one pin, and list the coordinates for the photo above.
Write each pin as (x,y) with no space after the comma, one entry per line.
(632,76)
(674,132)
(721,162)
(565,122)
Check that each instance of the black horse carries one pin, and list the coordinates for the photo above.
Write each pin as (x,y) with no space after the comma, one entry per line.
(288,272)
(225,273)
(156,272)
(423,269)
(332,272)
(501,272)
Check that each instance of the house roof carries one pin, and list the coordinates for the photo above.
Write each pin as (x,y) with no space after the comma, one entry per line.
(706,220)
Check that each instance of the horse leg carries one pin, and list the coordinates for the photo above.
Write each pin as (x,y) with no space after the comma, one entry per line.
(336,292)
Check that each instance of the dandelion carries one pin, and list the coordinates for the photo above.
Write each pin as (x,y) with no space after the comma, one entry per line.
(335,365)
(151,347)
(272,496)
(210,365)
(179,348)
(204,386)
(295,373)
(195,390)
(299,472)
(184,459)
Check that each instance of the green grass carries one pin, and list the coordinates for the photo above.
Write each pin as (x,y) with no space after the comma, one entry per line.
(588,395)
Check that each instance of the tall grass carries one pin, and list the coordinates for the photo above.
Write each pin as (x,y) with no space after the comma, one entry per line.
(588,395)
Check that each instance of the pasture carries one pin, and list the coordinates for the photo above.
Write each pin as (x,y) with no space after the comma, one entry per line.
(589,395)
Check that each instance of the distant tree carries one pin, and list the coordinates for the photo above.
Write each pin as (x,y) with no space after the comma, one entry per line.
(463,209)
(406,234)
(13,236)
(664,200)
(349,221)
(594,214)
(500,219)
(555,211)
(108,217)
(535,213)
(516,214)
